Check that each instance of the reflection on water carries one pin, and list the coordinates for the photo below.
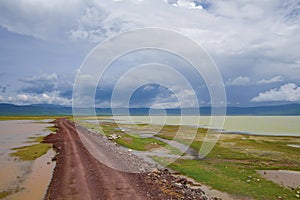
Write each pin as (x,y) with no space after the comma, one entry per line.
(30,179)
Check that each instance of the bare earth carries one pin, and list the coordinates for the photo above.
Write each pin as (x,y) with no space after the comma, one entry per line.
(79,175)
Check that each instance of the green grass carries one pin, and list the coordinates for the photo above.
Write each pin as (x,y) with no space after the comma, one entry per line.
(144,144)
(35,139)
(52,129)
(234,158)
(228,165)
(92,127)
(132,141)
(31,152)
(137,143)
(232,178)
(4,194)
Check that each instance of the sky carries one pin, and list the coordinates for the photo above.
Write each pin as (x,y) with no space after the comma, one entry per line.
(254,44)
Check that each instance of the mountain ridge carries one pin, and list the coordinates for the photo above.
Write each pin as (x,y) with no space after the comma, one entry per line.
(7,109)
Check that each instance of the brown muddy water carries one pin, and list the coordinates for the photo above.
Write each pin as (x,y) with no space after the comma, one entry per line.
(23,179)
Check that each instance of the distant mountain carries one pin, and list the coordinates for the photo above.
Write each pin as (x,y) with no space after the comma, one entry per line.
(288,109)
(33,110)
(58,110)
(47,105)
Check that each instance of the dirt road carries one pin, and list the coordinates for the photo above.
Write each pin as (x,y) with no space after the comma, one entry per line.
(79,175)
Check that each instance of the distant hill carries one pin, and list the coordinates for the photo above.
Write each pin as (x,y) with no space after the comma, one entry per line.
(58,110)
(34,110)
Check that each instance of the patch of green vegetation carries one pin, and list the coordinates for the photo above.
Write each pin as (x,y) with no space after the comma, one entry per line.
(93,127)
(35,139)
(31,152)
(143,124)
(53,128)
(229,165)
(132,141)
(234,158)
(4,194)
(143,144)
(239,180)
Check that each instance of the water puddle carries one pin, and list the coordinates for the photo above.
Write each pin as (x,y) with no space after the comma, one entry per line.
(208,190)
(286,178)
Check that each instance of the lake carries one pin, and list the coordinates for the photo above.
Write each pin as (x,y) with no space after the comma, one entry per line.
(257,125)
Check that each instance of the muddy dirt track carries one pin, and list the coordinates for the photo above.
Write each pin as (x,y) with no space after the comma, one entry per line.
(79,175)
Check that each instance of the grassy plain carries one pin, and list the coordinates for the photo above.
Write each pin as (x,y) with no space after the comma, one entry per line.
(232,164)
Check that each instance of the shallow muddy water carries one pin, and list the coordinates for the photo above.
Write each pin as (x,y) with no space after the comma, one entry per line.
(25,179)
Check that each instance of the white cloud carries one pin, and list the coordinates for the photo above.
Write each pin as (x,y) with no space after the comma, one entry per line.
(187,4)
(275,79)
(252,37)
(49,98)
(182,98)
(148,88)
(43,77)
(287,92)
(241,80)
(245,81)
(49,19)
(90,26)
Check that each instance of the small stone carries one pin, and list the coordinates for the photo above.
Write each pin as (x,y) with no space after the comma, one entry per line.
(297,195)
(178,184)
(258,180)
(48,163)
(279,197)
(249,176)
(248,181)
(113,137)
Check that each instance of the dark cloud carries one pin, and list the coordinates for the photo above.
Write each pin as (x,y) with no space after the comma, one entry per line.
(3,88)
(148,94)
(144,96)
(46,83)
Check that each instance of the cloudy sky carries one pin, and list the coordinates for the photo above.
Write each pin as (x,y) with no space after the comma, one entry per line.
(254,44)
